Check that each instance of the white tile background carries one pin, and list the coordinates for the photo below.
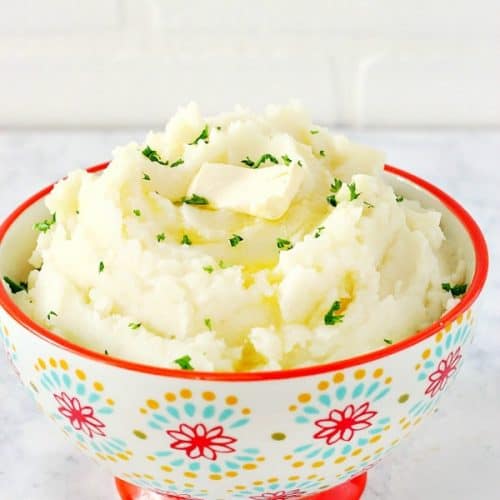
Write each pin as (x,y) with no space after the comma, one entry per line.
(352,62)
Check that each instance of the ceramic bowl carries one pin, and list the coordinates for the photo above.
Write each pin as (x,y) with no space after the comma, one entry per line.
(281,435)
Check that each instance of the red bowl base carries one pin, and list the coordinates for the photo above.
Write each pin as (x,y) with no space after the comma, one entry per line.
(350,490)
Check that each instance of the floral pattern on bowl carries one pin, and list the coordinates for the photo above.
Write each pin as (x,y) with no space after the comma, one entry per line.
(189,437)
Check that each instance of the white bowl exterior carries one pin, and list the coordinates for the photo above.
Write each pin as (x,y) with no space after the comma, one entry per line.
(256,437)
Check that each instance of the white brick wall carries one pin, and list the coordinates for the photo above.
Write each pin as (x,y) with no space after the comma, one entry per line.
(132,62)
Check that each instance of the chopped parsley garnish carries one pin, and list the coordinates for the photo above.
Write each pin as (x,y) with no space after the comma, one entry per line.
(218,127)
(248,162)
(134,326)
(106,352)
(455,290)
(153,155)
(332,200)
(283,244)
(208,323)
(299,163)
(208,269)
(352,191)
(399,198)
(195,200)
(223,265)
(186,240)
(46,224)
(184,362)
(369,205)
(322,152)
(334,188)
(313,132)
(136,212)
(176,163)
(22,286)
(202,137)
(336,185)
(331,318)
(101,266)
(388,341)
(317,234)
(146,177)
(235,240)
(160,237)
(286,160)
(265,157)
(51,313)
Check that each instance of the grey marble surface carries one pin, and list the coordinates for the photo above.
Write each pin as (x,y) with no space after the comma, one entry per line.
(455,455)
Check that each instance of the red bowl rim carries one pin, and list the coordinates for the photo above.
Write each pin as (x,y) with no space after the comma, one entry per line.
(475,287)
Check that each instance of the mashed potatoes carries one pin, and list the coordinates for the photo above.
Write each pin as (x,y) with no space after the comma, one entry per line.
(238,242)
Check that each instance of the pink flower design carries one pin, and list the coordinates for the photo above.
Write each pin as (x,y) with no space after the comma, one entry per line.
(80,417)
(446,368)
(342,424)
(175,496)
(198,441)
(280,495)
(180,496)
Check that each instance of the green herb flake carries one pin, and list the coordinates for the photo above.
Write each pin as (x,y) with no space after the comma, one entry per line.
(317,234)
(235,240)
(153,155)
(208,269)
(455,290)
(283,244)
(184,362)
(263,159)
(248,162)
(335,185)
(388,341)
(46,224)
(266,157)
(160,237)
(352,191)
(286,160)
(134,326)
(106,352)
(399,198)
(322,153)
(195,200)
(223,265)
(208,323)
(218,127)
(299,163)
(101,266)
(331,200)
(51,314)
(146,177)
(136,212)
(330,317)
(15,287)
(186,240)
(176,163)
(202,137)
(314,132)
(369,205)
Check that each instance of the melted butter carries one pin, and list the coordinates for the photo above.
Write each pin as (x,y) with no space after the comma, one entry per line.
(250,359)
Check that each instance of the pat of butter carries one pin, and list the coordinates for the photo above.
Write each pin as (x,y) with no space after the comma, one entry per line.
(264,192)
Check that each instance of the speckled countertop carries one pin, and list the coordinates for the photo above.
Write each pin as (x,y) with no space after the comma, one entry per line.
(455,455)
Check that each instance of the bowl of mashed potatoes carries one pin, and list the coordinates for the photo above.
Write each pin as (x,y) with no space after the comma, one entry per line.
(241,306)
